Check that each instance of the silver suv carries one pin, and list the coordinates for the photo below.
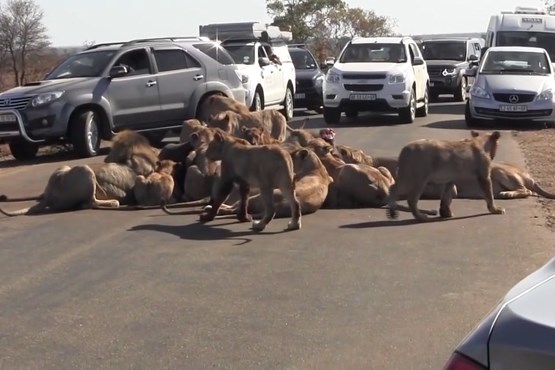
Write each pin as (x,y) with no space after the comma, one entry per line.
(148,85)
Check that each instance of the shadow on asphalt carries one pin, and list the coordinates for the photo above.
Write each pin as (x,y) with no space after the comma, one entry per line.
(204,232)
(411,221)
(63,155)
(490,126)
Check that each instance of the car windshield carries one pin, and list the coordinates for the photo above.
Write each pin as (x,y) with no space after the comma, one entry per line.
(444,50)
(241,54)
(302,59)
(90,64)
(374,53)
(543,40)
(515,62)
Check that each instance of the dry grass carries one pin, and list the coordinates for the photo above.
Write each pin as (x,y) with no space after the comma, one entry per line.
(539,150)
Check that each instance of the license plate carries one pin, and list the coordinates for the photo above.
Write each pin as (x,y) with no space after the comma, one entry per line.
(300,96)
(513,108)
(363,97)
(8,118)
(431,84)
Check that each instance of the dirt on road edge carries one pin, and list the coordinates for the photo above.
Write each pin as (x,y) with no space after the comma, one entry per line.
(538,148)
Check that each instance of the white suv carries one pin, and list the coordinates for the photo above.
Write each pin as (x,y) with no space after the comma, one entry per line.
(378,74)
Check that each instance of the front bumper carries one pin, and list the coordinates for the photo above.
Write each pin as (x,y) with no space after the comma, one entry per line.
(378,96)
(490,109)
(308,97)
(444,84)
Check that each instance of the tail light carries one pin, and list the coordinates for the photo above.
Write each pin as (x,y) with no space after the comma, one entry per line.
(460,362)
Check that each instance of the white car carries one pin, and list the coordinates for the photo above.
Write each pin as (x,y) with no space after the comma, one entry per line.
(378,74)
(511,83)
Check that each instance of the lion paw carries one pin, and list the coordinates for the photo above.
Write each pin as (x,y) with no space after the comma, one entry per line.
(244,217)
(113,203)
(206,217)
(498,211)
(207,208)
(392,213)
(445,213)
(294,225)
(258,226)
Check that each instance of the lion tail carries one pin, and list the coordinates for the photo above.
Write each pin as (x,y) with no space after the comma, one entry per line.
(5,198)
(541,191)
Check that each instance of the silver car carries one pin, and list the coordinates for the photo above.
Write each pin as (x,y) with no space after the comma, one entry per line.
(519,333)
(511,83)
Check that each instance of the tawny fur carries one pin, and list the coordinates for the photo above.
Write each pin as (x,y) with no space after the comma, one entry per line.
(216,104)
(257,136)
(266,167)
(132,149)
(271,120)
(189,126)
(444,162)
(156,188)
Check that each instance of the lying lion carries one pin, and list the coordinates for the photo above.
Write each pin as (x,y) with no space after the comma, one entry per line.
(156,188)
(266,167)
(444,162)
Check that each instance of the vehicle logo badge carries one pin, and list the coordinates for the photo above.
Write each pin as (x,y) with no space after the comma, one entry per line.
(513,99)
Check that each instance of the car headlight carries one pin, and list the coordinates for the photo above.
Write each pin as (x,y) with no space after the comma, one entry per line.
(545,95)
(318,80)
(478,92)
(448,72)
(398,78)
(333,77)
(46,98)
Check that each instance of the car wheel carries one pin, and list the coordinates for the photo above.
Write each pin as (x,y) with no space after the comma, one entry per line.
(351,113)
(23,150)
(85,133)
(460,94)
(257,102)
(332,116)
(423,110)
(408,114)
(471,122)
(287,111)
(319,109)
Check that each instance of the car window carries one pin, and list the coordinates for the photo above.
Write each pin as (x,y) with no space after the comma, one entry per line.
(444,50)
(136,61)
(241,54)
(262,52)
(302,59)
(216,52)
(174,59)
(283,53)
(90,64)
(513,62)
(374,53)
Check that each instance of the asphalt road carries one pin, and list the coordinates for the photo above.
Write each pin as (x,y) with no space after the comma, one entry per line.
(351,290)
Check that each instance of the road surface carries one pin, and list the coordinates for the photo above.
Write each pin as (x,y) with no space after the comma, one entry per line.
(351,290)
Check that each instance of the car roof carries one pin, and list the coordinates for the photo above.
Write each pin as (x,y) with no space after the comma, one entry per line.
(522,49)
(378,40)
(158,41)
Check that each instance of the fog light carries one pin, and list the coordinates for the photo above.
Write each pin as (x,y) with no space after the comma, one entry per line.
(44,122)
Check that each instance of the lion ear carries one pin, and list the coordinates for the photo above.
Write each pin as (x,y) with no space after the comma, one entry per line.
(343,151)
(218,136)
(303,153)
(329,149)
(193,138)
(495,135)
(474,133)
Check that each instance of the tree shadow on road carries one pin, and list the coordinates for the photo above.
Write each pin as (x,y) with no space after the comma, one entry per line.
(407,222)
(363,120)
(459,124)
(49,155)
(204,232)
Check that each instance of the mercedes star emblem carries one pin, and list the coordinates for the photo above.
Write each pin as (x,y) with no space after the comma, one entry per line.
(513,99)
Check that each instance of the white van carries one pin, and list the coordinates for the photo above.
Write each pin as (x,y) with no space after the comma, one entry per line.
(525,26)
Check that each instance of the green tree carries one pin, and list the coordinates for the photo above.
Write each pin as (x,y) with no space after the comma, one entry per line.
(550,5)
(22,35)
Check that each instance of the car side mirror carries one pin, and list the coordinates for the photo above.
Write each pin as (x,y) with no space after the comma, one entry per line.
(118,71)
(473,58)
(263,61)
(330,61)
(417,61)
(470,72)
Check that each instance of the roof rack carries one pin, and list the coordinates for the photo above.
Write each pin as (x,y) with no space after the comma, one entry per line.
(297,45)
(138,41)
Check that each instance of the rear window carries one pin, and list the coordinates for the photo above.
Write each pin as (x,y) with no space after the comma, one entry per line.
(216,52)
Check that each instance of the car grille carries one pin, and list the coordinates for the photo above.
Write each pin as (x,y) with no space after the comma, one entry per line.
(527,114)
(304,84)
(9,127)
(363,87)
(435,71)
(522,98)
(14,103)
(364,76)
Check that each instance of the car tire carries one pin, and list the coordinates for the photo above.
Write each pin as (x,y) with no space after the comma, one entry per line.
(351,113)
(460,94)
(85,133)
(408,114)
(287,110)
(257,104)
(433,96)
(332,116)
(471,122)
(319,109)
(23,150)
(423,110)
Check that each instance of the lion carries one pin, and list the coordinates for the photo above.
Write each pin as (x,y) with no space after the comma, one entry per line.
(444,162)
(156,188)
(215,104)
(267,167)
(271,120)
(311,186)
(354,156)
(189,126)
(134,150)
(257,136)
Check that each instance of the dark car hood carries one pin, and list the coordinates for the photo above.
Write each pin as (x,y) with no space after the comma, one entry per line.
(445,63)
(39,87)
(307,74)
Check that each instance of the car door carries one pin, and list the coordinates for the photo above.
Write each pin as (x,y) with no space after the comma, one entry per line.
(419,71)
(269,81)
(134,98)
(179,76)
